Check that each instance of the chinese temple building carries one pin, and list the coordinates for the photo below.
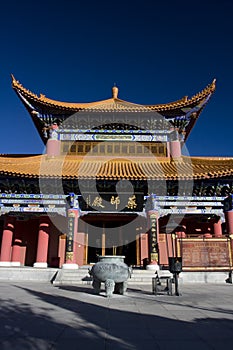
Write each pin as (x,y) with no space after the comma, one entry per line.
(114,180)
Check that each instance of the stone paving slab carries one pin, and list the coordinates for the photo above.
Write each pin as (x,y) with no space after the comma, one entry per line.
(41,316)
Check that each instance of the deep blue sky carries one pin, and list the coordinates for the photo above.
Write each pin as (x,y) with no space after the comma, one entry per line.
(155,52)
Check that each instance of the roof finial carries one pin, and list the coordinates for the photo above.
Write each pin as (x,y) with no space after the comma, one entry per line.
(114,91)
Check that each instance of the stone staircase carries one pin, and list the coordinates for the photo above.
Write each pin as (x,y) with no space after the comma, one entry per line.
(64,276)
(139,276)
(72,276)
(81,276)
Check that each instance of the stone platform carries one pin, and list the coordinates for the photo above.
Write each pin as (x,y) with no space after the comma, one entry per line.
(81,276)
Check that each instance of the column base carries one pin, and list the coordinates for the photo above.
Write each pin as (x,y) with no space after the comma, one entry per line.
(40,264)
(70,266)
(15,263)
(152,267)
(5,263)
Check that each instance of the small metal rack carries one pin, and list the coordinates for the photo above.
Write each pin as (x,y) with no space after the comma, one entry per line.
(162,282)
(175,266)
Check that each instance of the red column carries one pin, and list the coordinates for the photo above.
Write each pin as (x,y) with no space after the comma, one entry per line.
(175,149)
(182,232)
(43,242)
(53,148)
(71,240)
(80,245)
(53,144)
(16,253)
(7,241)
(218,229)
(144,253)
(229,221)
(168,150)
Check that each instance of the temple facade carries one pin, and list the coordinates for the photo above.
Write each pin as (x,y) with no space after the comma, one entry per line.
(114,180)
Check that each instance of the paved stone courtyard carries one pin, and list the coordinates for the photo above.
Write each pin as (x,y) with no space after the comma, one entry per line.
(41,316)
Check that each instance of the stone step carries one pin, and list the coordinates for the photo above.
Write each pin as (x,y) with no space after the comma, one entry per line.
(144,277)
(27,274)
(81,276)
(65,276)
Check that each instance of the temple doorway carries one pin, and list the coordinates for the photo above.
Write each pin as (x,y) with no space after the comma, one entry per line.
(112,235)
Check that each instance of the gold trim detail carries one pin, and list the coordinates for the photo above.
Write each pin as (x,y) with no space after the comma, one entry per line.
(69,256)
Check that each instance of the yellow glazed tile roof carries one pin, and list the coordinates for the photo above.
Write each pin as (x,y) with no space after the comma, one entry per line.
(133,168)
(112,104)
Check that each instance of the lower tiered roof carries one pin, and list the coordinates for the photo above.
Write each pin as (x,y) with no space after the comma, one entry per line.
(109,168)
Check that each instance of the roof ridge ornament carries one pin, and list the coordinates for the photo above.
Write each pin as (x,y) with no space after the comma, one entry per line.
(115,91)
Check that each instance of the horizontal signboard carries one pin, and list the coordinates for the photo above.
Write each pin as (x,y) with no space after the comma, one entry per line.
(111,202)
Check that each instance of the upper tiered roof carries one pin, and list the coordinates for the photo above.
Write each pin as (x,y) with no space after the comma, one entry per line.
(107,168)
(187,108)
(110,104)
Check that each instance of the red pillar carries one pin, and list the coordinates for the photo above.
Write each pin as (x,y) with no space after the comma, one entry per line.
(43,242)
(168,150)
(144,253)
(80,246)
(53,148)
(229,221)
(71,240)
(53,144)
(7,241)
(218,229)
(16,253)
(175,149)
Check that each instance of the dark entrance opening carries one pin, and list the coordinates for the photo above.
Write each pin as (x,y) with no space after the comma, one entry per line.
(111,235)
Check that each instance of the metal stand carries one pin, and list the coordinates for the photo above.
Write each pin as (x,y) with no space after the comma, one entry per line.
(175,266)
(162,283)
(176,278)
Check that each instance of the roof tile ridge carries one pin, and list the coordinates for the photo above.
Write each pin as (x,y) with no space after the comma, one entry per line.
(129,102)
(217,158)
(13,158)
(18,86)
(184,101)
(45,99)
(42,98)
(209,89)
(149,159)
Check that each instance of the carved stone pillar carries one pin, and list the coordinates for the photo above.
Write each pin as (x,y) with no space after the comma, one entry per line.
(71,244)
(153,237)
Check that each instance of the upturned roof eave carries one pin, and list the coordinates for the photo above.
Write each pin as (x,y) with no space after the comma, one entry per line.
(50,103)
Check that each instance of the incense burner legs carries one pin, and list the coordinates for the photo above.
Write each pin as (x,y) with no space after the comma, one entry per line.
(113,272)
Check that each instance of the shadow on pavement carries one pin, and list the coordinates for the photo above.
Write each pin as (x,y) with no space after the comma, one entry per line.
(49,320)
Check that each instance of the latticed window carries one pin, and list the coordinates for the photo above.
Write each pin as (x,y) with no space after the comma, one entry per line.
(114,147)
